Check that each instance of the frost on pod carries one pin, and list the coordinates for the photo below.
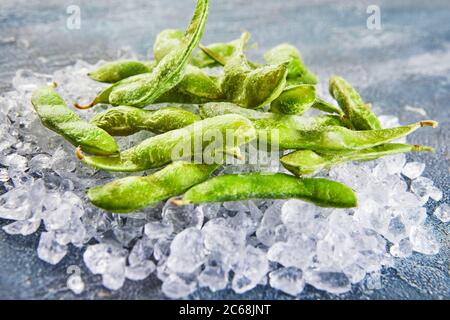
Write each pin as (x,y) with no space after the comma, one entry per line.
(237,245)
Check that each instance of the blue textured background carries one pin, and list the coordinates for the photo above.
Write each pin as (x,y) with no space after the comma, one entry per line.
(333,38)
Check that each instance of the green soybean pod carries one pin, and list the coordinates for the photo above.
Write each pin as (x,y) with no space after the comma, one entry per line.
(124,120)
(162,149)
(236,187)
(56,116)
(134,193)
(249,86)
(166,41)
(306,162)
(298,73)
(295,100)
(338,139)
(115,71)
(195,87)
(146,88)
(325,106)
(357,111)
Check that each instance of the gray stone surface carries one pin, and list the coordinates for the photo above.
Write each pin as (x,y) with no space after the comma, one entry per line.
(405,63)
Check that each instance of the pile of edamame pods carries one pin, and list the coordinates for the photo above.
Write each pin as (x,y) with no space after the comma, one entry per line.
(250,99)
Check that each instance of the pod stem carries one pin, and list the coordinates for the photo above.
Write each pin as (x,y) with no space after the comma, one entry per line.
(178,202)
(428,123)
(216,57)
(84,107)
(79,153)
(419,148)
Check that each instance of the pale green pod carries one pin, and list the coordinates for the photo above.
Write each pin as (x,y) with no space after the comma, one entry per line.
(249,86)
(295,100)
(143,89)
(298,73)
(115,71)
(238,187)
(134,193)
(356,110)
(56,116)
(195,139)
(124,120)
(306,162)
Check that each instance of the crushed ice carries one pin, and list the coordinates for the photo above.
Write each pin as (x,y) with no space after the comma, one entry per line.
(236,245)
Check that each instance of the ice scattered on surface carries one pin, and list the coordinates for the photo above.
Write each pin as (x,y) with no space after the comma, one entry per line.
(413,170)
(75,284)
(289,280)
(443,212)
(236,245)
(49,249)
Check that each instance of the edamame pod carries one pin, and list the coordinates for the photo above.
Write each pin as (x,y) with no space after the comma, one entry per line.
(294,100)
(212,135)
(134,193)
(115,71)
(124,120)
(56,116)
(325,106)
(357,111)
(249,86)
(305,162)
(236,187)
(146,88)
(297,71)
(170,39)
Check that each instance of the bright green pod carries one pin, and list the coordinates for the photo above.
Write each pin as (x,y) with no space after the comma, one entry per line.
(56,116)
(249,86)
(124,120)
(298,73)
(325,106)
(170,39)
(143,89)
(196,87)
(306,162)
(190,141)
(295,100)
(356,110)
(166,41)
(115,71)
(134,193)
(287,129)
(237,187)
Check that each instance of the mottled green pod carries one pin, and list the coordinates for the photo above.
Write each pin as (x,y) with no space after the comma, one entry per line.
(249,86)
(287,129)
(195,139)
(166,41)
(143,89)
(298,73)
(305,162)
(195,87)
(115,71)
(357,111)
(56,116)
(124,120)
(170,39)
(325,106)
(236,187)
(134,193)
(295,100)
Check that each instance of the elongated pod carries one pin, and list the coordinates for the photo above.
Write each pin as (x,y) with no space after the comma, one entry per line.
(124,120)
(224,133)
(58,117)
(236,187)
(134,193)
(306,162)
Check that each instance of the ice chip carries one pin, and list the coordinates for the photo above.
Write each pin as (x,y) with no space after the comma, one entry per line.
(22,227)
(423,240)
(140,271)
(413,170)
(442,212)
(49,249)
(175,287)
(334,282)
(289,280)
(187,251)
